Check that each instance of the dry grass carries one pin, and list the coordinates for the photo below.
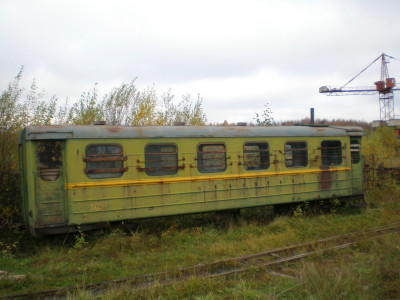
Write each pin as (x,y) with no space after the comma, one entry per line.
(368,271)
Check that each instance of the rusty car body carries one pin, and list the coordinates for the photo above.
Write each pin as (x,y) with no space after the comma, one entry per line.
(88,175)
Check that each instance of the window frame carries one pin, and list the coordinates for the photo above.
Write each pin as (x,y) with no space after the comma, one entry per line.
(101,173)
(294,157)
(200,160)
(330,154)
(49,159)
(163,171)
(355,159)
(263,154)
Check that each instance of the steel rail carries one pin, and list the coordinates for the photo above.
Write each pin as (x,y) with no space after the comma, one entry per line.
(224,267)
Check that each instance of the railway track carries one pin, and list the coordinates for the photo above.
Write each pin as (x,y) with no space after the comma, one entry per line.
(224,267)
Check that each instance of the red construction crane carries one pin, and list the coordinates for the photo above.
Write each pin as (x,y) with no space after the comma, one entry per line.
(385,87)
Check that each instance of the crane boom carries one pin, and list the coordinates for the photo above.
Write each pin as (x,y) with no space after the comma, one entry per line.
(345,91)
(385,87)
(339,91)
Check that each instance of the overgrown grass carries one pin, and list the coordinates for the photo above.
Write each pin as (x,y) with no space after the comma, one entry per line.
(368,271)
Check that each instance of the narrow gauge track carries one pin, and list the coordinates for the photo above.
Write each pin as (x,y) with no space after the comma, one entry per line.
(224,267)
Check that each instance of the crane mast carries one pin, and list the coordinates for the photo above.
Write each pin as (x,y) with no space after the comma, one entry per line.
(384,87)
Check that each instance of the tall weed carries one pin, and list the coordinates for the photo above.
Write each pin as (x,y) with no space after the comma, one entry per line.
(381,151)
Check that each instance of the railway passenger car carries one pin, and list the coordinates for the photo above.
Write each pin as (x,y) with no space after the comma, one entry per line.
(88,175)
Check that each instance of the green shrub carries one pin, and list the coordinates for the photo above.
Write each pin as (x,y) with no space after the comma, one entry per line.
(381,151)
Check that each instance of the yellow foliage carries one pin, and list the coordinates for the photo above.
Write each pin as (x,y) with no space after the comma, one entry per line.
(381,148)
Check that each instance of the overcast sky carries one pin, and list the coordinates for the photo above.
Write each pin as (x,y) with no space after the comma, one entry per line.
(238,55)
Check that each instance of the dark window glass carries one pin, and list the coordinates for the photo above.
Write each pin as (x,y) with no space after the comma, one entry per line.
(211,158)
(256,156)
(49,159)
(161,159)
(104,161)
(355,151)
(296,154)
(331,153)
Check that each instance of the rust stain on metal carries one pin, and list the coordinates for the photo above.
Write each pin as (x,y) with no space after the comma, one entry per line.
(113,129)
(139,132)
(325,178)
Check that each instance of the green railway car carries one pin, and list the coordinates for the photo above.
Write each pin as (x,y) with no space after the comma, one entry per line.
(90,175)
